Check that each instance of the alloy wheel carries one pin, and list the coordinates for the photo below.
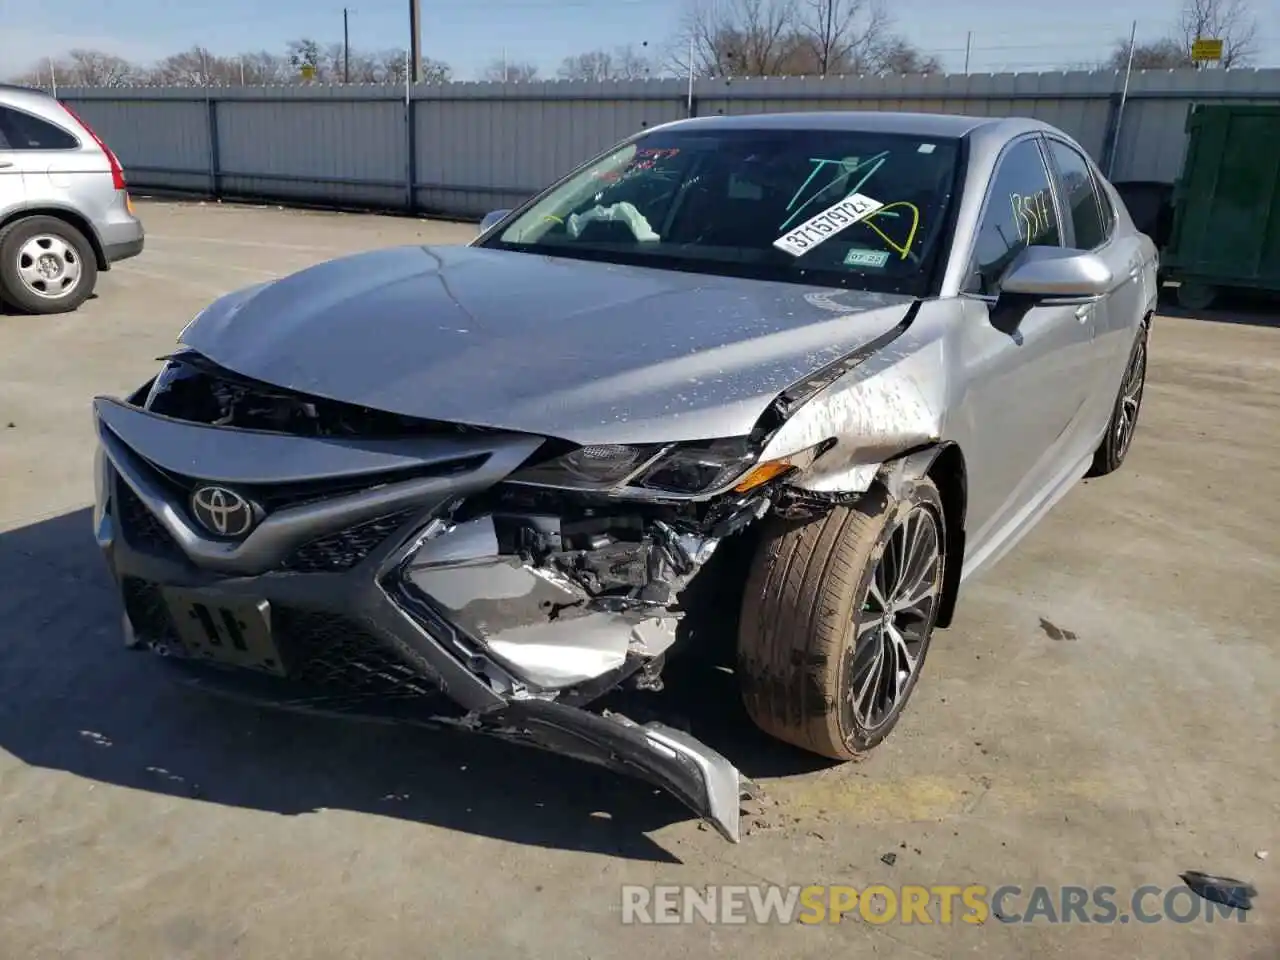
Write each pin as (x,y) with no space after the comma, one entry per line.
(893,625)
(1135,376)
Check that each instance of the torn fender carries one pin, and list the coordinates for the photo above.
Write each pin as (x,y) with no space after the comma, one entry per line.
(702,779)
(889,404)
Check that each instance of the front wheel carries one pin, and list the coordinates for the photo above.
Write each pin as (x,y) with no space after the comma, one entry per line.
(837,616)
(46,265)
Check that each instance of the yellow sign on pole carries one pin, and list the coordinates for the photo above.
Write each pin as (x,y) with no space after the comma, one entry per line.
(1206,48)
(308,72)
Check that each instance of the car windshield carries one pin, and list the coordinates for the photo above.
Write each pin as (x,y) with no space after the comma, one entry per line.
(827,207)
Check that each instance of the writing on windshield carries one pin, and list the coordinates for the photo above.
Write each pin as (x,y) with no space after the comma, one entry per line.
(774,201)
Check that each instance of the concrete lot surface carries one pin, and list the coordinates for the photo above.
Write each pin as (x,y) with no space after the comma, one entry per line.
(1103,712)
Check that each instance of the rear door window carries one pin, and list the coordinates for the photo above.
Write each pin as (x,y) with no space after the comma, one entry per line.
(22,131)
(1080,197)
(1020,213)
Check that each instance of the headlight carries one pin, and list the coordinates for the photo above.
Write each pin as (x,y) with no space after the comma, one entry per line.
(593,467)
(682,470)
(698,468)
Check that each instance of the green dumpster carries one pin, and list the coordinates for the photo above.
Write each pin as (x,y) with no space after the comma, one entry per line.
(1226,204)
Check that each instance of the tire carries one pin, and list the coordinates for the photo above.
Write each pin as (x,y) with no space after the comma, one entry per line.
(1115,445)
(1196,296)
(796,652)
(72,269)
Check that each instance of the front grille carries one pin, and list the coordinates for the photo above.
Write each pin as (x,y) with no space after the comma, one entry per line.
(346,548)
(141,527)
(327,652)
(338,654)
(148,613)
(278,496)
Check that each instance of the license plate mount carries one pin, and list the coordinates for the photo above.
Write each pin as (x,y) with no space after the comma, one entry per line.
(234,631)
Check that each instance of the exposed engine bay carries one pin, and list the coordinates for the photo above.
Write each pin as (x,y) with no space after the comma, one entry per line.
(571,594)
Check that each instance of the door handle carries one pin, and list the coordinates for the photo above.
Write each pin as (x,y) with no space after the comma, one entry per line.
(1083,312)
(5,163)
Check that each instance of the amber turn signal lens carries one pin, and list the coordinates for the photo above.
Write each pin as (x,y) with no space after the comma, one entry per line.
(762,474)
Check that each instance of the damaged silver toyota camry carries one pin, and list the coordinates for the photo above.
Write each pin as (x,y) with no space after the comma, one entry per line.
(864,352)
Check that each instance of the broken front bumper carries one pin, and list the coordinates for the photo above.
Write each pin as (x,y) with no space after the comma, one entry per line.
(359,599)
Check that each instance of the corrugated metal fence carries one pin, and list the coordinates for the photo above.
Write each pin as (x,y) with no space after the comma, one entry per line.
(466,148)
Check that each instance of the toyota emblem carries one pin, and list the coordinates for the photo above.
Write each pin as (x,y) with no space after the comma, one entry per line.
(222,511)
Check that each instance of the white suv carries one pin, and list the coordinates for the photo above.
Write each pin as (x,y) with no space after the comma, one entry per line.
(65,213)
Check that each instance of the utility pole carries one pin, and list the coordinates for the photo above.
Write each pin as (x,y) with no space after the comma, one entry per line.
(691,55)
(415,40)
(1124,95)
(828,31)
(346,48)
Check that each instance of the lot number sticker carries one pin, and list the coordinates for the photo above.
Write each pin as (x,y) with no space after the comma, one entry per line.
(827,224)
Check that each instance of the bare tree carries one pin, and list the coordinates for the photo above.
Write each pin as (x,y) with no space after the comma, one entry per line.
(634,64)
(84,68)
(844,34)
(1166,54)
(434,71)
(737,38)
(196,67)
(1231,21)
(794,38)
(264,68)
(625,63)
(392,66)
(896,54)
(93,68)
(510,71)
(332,58)
(199,67)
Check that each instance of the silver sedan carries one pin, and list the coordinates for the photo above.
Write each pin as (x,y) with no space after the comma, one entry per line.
(827,366)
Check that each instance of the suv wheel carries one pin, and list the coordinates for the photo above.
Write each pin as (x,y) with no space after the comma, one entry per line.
(46,265)
(837,616)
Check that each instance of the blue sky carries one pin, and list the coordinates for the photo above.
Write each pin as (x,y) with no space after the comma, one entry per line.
(1007,34)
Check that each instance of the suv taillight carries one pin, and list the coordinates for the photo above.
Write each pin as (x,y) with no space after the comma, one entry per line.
(117,171)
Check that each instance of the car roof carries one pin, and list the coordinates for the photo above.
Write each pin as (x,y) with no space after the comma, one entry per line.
(941,125)
(26,96)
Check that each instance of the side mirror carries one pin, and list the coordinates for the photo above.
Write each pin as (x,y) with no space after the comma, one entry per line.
(492,217)
(1053,272)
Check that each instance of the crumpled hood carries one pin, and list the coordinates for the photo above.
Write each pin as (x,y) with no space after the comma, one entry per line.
(585,351)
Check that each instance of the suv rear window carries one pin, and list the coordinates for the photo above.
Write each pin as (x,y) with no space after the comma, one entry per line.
(22,131)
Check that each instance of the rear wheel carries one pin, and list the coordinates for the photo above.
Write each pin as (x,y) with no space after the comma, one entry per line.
(46,265)
(837,617)
(1124,416)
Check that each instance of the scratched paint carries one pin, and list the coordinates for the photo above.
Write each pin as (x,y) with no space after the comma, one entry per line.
(888,405)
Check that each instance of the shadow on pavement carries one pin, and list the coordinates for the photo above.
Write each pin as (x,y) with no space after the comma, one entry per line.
(1244,307)
(73,698)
